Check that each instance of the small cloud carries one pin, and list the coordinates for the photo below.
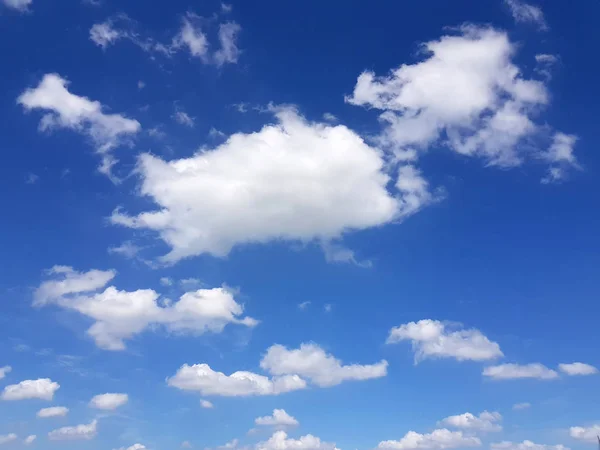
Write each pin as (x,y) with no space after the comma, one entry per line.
(141,85)
(18,5)
(328,307)
(156,132)
(29,439)
(302,306)
(521,406)
(329,117)
(241,107)
(186,444)
(214,133)
(166,281)
(127,249)
(206,404)
(184,118)
(226,8)
(21,348)
(189,283)
(31,178)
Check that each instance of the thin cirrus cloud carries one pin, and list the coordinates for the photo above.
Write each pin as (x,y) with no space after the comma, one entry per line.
(121,315)
(439,439)
(42,388)
(83,432)
(434,339)
(63,109)
(108,401)
(240,182)
(485,422)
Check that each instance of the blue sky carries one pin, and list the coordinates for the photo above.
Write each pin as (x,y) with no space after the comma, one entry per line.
(305,226)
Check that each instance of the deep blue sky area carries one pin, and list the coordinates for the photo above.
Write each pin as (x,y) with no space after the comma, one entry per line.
(380,218)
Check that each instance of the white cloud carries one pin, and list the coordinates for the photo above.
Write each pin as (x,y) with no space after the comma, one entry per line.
(120,315)
(127,249)
(485,422)
(68,110)
(226,8)
(436,440)
(525,445)
(291,181)
(432,339)
(525,13)
(184,118)
(4,370)
(280,418)
(206,404)
(78,432)
(19,5)
(516,371)
(104,34)
(588,434)
(310,361)
(69,281)
(303,305)
(42,388)
(141,85)
(29,439)
(560,156)
(6,438)
(166,281)
(109,401)
(192,37)
(577,368)
(465,95)
(229,51)
(134,447)
(544,64)
(31,178)
(201,378)
(280,441)
(53,411)
(521,406)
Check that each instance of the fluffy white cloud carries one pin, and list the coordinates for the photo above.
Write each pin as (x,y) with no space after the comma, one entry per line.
(516,371)
(42,388)
(436,440)
(69,281)
(293,181)
(433,339)
(4,370)
(29,439)
(77,432)
(104,34)
(201,378)
(577,368)
(6,438)
(229,51)
(525,445)
(588,434)
(67,110)
(206,404)
(526,13)
(279,418)
(310,361)
(466,95)
(280,441)
(192,37)
(561,157)
(486,421)
(19,5)
(109,401)
(521,406)
(120,315)
(53,411)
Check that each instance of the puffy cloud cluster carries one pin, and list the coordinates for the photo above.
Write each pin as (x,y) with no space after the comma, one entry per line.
(42,388)
(466,95)
(588,434)
(279,418)
(433,339)
(293,181)
(485,422)
(67,110)
(439,439)
(120,315)
(280,441)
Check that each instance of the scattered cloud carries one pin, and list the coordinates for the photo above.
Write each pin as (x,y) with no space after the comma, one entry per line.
(561,157)
(103,34)
(67,110)
(525,13)
(516,371)
(439,439)
(192,37)
(4,370)
(6,438)
(544,64)
(68,281)
(521,406)
(134,447)
(329,117)
(127,249)
(166,281)
(229,51)
(311,362)
(186,444)
(485,422)
(201,378)
(120,315)
(29,439)
(588,434)
(226,8)
(141,85)
(334,183)
(109,401)
(280,441)
(577,368)
(279,418)
(327,307)
(42,388)
(31,178)
(206,404)
(525,445)
(18,5)
(184,118)
(53,411)
(433,339)
(303,305)
(78,432)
